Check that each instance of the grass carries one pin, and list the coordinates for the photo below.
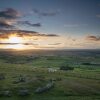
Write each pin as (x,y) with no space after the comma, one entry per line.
(52,98)
(83,83)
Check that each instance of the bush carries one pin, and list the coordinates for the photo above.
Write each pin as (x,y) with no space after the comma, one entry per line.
(86,63)
(66,68)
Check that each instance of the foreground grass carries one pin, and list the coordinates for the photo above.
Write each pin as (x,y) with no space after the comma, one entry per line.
(52,98)
(72,83)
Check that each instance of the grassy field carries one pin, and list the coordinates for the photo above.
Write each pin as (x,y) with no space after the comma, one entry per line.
(82,83)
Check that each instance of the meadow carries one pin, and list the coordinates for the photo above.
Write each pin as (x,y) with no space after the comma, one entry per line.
(22,73)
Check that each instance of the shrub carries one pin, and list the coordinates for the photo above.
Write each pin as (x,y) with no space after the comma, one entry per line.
(66,68)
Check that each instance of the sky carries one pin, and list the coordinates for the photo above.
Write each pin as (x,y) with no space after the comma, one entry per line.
(63,24)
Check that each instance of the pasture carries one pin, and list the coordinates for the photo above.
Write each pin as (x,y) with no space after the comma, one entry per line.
(29,71)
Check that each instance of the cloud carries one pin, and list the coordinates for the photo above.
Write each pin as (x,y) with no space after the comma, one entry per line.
(52,35)
(46,47)
(29,23)
(18,43)
(9,13)
(23,33)
(28,39)
(4,24)
(45,13)
(93,38)
(8,17)
(30,44)
(74,25)
(8,43)
(55,44)
(98,15)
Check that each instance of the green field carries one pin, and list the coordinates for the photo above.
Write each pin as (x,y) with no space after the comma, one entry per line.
(82,83)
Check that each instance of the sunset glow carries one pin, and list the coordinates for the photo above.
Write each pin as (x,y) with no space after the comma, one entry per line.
(14,42)
(22,41)
(14,39)
(16,47)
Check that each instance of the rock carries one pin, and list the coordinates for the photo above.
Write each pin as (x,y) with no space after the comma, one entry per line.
(20,79)
(23,92)
(2,76)
(49,85)
(45,88)
(7,93)
(52,70)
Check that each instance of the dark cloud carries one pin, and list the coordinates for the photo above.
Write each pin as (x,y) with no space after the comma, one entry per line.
(73,39)
(93,38)
(53,35)
(45,47)
(29,23)
(29,44)
(36,11)
(18,31)
(8,43)
(17,43)
(23,33)
(4,24)
(7,17)
(9,13)
(45,13)
(48,14)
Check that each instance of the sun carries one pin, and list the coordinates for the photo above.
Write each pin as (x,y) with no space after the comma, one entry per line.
(14,39)
(15,42)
